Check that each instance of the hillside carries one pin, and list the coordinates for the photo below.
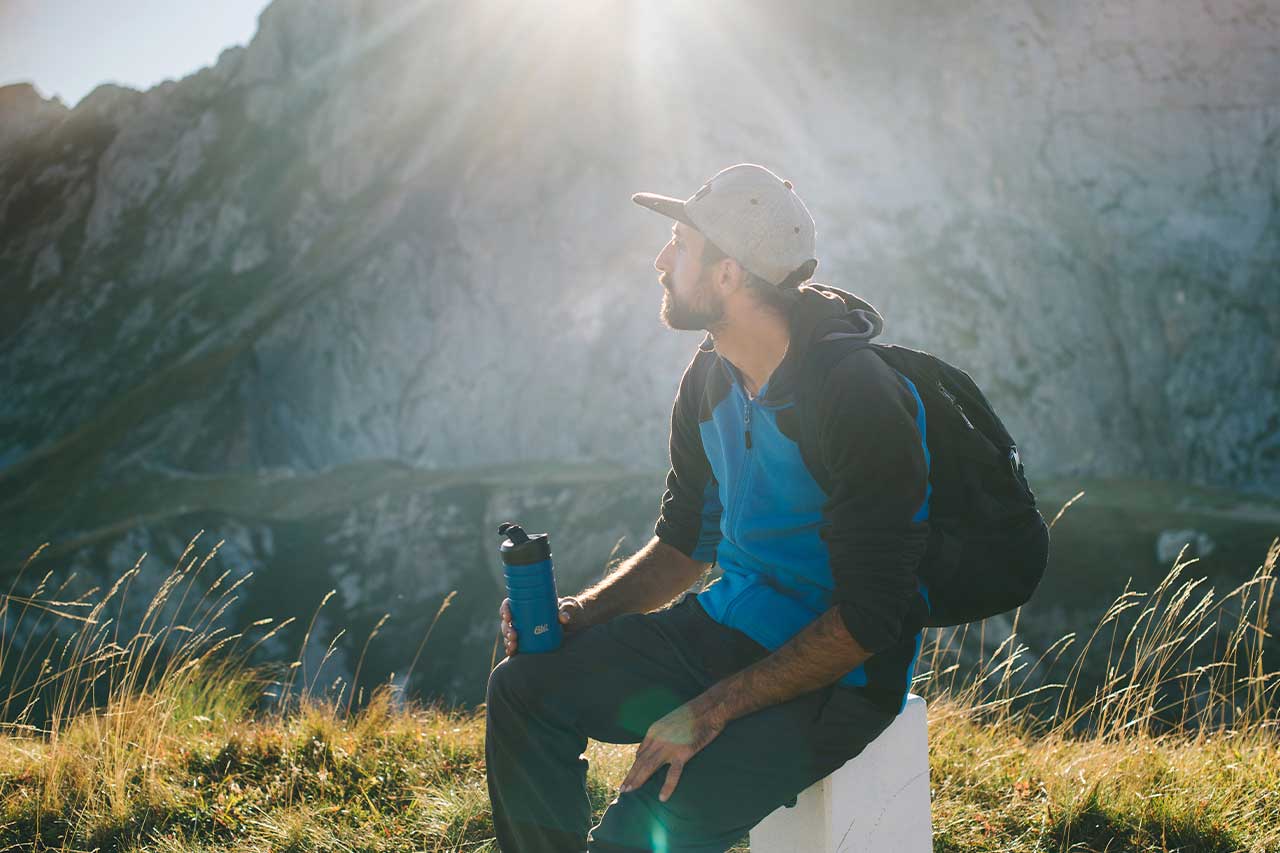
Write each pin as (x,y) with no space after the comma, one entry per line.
(194,758)
(372,284)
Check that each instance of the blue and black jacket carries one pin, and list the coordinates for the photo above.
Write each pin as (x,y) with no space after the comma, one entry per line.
(802,516)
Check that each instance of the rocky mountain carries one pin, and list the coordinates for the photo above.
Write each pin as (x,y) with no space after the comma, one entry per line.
(399,234)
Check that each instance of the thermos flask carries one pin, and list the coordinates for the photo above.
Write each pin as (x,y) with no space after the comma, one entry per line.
(531,586)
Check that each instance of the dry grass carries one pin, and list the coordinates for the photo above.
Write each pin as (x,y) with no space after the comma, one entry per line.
(163,741)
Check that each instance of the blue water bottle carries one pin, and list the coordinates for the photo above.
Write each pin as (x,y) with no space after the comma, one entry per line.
(531,586)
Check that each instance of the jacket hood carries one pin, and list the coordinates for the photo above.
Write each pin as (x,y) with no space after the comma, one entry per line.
(821,311)
(820,303)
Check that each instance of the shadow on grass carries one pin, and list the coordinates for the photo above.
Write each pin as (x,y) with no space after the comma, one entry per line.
(40,831)
(1096,828)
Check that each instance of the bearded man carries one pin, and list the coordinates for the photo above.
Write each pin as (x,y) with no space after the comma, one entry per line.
(802,651)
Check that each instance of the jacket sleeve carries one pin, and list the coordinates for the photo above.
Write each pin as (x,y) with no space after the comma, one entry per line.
(689,516)
(870,432)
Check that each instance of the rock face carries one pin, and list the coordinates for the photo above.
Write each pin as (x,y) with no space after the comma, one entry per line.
(389,231)
(351,239)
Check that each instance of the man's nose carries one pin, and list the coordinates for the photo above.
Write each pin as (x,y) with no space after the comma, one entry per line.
(660,262)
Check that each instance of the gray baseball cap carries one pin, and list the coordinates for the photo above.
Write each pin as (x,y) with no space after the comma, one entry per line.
(754,216)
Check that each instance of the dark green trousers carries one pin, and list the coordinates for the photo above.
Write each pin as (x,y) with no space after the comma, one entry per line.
(609,683)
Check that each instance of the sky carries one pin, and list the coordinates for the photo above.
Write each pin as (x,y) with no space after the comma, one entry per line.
(67,47)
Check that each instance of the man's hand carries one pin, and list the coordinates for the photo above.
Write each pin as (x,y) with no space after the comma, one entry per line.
(812,659)
(673,740)
(572,618)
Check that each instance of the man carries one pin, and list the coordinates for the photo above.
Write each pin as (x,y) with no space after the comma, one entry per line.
(802,652)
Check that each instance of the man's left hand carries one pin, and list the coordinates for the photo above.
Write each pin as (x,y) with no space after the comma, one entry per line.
(673,740)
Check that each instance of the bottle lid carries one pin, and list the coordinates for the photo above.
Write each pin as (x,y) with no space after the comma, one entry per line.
(521,549)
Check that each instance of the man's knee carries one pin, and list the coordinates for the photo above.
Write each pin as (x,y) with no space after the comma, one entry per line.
(510,684)
(639,821)
(527,683)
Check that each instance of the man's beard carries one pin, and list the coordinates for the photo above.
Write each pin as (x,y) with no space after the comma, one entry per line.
(703,311)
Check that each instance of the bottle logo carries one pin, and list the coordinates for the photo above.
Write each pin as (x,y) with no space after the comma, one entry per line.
(542,629)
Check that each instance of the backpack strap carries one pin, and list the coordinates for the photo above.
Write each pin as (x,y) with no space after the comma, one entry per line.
(988,545)
(831,340)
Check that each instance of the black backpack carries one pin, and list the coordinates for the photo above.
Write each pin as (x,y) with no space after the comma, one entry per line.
(988,544)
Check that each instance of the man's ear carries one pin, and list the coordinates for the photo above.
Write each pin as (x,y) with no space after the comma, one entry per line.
(728,275)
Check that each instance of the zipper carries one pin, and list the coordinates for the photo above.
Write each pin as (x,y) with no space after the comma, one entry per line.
(956,403)
(746,472)
(734,510)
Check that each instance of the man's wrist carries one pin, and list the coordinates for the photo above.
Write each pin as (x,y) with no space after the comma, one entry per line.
(588,609)
(719,702)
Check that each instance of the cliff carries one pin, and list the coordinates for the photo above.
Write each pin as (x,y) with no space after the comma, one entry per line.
(399,234)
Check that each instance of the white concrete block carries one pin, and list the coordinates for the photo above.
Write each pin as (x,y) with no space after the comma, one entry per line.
(878,801)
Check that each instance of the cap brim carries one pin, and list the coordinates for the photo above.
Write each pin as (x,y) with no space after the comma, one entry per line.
(666,205)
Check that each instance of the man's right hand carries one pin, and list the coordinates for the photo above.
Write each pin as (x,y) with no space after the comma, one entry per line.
(572,618)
